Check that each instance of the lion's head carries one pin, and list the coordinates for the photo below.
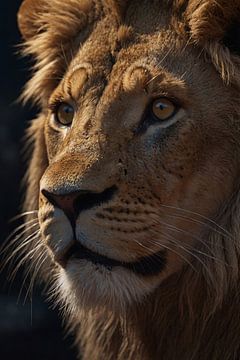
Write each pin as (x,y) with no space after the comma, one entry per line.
(135,164)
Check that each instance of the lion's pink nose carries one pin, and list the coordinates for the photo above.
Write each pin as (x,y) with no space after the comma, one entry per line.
(66,202)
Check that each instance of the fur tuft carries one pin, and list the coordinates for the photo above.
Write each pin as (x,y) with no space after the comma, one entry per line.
(51,41)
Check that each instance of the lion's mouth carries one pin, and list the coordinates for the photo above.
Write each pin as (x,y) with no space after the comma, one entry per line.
(145,266)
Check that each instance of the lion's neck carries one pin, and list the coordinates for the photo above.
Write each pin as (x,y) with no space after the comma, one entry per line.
(169,325)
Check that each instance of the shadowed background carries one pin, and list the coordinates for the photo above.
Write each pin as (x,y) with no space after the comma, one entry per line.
(28,329)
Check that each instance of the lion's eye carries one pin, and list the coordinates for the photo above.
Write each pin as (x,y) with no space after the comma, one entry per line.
(163,109)
(64,114)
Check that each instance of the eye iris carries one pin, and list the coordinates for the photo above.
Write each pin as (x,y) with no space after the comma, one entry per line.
(65,114)
(163,108)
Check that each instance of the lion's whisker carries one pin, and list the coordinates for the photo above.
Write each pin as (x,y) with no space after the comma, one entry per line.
(197,222)
(227,233)
(22,215)
(27,257)
(22,226)
(21,246)
(20,237)
(205,242)
(170,249)
(191,247)
(42,258)
(185,232)
(28,272)
(10,241)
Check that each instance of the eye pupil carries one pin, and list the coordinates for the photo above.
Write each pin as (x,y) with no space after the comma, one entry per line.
(67,109)
(161,107)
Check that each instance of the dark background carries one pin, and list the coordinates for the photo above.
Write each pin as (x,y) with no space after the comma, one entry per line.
(28,329)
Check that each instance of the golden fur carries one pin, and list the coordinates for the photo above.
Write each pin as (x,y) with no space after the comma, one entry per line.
(178,190)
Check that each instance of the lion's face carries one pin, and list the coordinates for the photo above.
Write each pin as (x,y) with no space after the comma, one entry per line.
(140,142)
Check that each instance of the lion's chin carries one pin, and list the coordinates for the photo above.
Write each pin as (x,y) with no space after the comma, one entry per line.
(83,284)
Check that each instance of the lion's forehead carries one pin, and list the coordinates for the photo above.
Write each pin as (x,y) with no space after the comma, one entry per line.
(142,50)
(112,48)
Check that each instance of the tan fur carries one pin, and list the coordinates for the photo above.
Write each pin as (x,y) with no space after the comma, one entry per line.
(178,192)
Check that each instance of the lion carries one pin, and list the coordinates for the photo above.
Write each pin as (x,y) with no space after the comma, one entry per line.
(133,179)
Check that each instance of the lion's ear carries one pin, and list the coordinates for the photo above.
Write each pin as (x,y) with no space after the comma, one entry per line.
(28,17)
(215,26)
(211,20)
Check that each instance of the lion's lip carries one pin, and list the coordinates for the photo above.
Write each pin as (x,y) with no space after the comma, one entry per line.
(145,266)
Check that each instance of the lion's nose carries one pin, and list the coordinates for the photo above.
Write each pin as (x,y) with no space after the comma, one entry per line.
(74,202)
(65,202)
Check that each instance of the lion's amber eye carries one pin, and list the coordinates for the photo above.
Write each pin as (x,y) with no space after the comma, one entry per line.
(64,114)
(163,109)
